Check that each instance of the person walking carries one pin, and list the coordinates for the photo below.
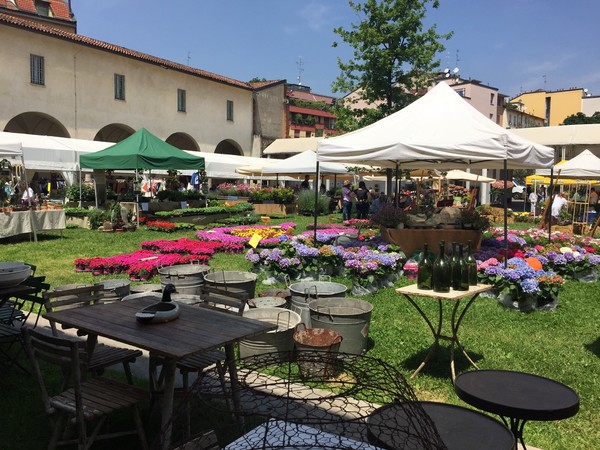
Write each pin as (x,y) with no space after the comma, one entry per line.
(347,197)
(305,184)
(533,198)
(594,200)
(362,201)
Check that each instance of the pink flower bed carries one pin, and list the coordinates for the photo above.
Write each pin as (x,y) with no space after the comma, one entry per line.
(223,235)
(155,254)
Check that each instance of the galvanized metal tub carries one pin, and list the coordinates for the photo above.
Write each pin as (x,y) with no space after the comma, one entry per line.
(113,290)
(275,341)
(233,279)
(306,291)
(187,278)
(267,302)
(348,316)
(321,340)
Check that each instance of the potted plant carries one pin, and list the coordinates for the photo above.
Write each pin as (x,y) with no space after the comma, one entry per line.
(390,217)
(471,219)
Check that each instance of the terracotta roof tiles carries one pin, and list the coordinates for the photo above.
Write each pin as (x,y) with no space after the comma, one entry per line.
(6,19)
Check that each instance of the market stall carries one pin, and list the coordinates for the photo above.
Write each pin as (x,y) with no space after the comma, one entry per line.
(439,131)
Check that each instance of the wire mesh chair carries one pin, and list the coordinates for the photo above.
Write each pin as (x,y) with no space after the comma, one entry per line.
(296,408)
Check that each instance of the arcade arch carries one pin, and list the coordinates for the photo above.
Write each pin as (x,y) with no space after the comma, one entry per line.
(34,122)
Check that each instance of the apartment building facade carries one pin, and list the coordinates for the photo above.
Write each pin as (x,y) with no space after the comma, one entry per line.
(59,83)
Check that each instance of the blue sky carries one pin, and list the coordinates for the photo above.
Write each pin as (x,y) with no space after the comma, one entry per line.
(513,45)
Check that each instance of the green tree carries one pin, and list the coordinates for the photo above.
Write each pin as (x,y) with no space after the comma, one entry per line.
(393,57)
(581,118)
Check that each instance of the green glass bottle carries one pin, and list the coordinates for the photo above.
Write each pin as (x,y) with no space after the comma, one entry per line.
(455,267)
(472,265)
(425,271)
(441,271)
(463,284)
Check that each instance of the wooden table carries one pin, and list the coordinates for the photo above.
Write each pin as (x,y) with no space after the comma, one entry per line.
(455,318)
(197,329)
(14,291)
(517,396)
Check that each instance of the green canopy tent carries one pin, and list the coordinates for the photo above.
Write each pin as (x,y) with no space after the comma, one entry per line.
(142,150)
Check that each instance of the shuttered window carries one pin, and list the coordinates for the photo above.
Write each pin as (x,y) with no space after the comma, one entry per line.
(36,68)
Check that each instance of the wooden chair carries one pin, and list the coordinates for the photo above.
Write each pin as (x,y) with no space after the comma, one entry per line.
(103,355)
(231,300)
(81,401)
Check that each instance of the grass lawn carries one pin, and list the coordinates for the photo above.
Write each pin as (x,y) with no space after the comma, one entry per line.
(564,345)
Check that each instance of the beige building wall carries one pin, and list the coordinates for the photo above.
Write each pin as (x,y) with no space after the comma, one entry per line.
(554,106)
(79,92)
(590,105)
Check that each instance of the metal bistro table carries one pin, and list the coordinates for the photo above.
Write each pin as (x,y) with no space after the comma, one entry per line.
(517,396)
(455,319)
(197,329)
(459,428)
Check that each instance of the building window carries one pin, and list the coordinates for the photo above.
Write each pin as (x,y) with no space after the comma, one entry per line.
(460,92)
(491,99)
(230,110)
(181,100)
(36,68)
(491,116)
(119,87)
(42,7)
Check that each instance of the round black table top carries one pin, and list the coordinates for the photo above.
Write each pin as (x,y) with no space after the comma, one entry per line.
(516,394)
(393,427)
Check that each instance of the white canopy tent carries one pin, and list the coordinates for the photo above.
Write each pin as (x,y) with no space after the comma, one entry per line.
(51,153)
(461,175)
(440,130)
(292,145)
(586,165)
(303,163)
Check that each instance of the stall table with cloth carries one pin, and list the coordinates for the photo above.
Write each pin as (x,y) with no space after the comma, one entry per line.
(20,222)
(455,318)
(196,329)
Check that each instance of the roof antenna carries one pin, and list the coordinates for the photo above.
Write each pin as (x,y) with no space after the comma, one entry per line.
(300,70)
(189,58)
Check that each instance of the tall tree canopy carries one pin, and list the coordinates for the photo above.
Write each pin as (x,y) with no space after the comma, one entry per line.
(581,118)
(393,56)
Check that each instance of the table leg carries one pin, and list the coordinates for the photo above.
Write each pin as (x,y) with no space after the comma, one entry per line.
(455,325)
(436,332)
(166,402)
(516,427)
(233,380)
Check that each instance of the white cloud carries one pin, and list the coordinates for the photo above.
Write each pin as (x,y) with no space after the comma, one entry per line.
(316,15)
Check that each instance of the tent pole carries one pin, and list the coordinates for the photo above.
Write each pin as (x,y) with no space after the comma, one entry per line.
(31,213)
(316,214)
(505,210)
(551,197)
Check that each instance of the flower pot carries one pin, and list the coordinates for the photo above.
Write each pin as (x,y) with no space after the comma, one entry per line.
(589,275)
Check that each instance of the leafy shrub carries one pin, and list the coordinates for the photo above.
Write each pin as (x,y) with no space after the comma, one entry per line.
(97,217)
(170,195)
(306,203)
(76,212)
(87,193)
